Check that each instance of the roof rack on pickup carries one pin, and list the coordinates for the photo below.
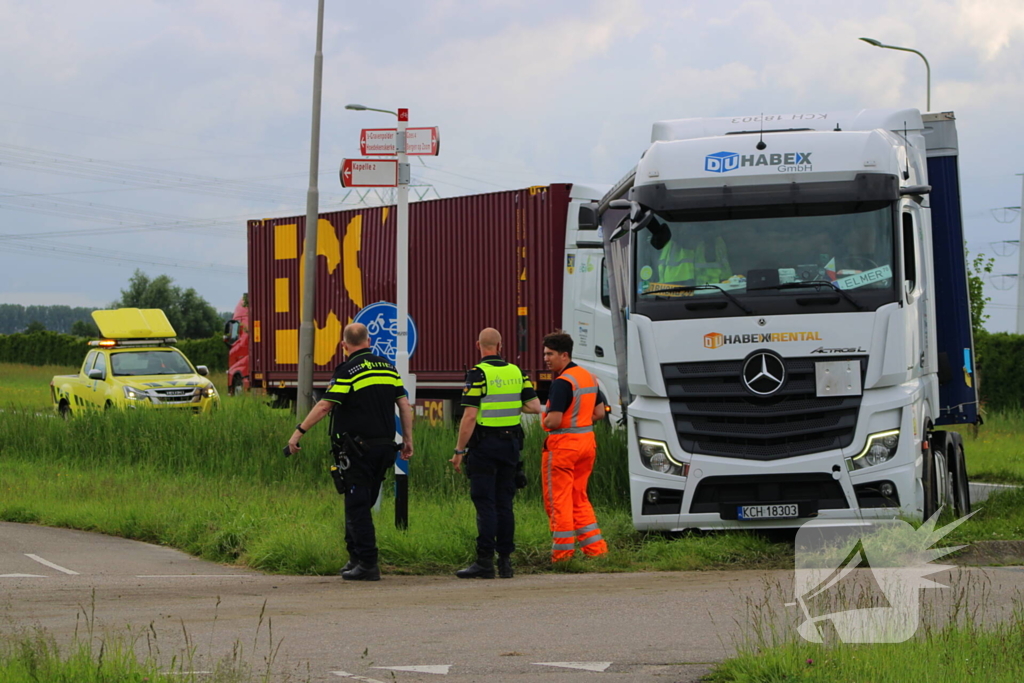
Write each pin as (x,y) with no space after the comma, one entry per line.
(133,324)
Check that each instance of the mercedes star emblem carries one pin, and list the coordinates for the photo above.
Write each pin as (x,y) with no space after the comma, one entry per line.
(764,373)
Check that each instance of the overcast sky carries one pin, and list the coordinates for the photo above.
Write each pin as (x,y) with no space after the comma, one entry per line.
(155,129)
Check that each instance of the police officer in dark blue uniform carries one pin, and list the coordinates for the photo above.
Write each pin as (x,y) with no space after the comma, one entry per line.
(496,393)
(361,401)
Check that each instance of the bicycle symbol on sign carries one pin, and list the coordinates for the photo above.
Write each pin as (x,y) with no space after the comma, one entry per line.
(381,320)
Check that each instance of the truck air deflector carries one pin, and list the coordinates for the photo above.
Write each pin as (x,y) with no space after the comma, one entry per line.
(865,187)
(714,414)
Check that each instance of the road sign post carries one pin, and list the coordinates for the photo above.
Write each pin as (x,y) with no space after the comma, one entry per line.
(402,303)
(400,142)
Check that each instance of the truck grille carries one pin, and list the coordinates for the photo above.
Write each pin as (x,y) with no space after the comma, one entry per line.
(174,395)
(715,415)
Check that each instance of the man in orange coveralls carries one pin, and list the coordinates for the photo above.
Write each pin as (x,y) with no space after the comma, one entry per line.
(574,403)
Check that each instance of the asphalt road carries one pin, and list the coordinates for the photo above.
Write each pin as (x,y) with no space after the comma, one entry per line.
(628,627)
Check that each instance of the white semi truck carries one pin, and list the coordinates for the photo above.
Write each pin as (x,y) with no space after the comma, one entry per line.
(795,322)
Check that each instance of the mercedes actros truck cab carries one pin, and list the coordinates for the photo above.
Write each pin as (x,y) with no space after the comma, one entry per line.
(796,322)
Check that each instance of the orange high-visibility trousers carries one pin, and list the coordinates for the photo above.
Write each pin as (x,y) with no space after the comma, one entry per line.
(566,464)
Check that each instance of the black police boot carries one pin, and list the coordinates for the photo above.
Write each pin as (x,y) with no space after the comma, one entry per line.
(505,567)
(363,572)
(349,566)
(483,568)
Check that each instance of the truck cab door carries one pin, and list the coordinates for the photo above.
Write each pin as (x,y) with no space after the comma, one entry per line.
(98,390)
(591,323)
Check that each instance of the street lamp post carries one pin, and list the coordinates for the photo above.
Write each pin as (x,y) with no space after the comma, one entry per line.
(304,393)
(927,66)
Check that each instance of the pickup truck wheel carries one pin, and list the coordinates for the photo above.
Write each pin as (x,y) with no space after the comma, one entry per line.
(237,386)
(108,405)
(64,410)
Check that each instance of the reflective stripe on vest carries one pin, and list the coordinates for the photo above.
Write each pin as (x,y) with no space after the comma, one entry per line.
(502,403)
(579,419)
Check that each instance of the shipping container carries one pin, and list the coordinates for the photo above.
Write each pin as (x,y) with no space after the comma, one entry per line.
(488,260)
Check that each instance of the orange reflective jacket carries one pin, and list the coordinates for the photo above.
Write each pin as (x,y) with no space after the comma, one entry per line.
(578,418)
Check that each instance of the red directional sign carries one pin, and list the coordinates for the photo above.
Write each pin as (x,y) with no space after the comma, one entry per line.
(369,173)
(383,141)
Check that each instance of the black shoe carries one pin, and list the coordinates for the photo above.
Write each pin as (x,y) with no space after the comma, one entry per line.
(477,570)
(505,567)
(349,566)
(363,572)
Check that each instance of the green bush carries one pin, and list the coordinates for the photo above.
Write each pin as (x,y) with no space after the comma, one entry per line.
(53,348)
(1001,370)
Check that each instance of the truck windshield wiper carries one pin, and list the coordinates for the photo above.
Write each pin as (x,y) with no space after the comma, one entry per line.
(691,288)
(818,284)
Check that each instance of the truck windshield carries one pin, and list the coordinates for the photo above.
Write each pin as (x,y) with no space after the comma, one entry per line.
(127,363)
(766,251)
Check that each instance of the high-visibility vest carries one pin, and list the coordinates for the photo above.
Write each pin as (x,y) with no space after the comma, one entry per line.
(502,401)
(681,264)
(578,418)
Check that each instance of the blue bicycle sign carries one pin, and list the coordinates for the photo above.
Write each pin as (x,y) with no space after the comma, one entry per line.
(381,320)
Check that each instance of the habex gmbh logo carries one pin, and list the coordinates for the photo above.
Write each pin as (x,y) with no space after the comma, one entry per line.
(713,340)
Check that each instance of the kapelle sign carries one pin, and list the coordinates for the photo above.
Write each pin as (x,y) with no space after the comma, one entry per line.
(369,173)
(383,141)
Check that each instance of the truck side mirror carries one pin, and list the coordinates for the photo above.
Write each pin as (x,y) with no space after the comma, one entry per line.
(202,370)
(95,373)
(588,218)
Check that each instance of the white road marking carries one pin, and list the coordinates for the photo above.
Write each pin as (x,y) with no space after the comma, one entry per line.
(345,674)
(424,669)
(49,564)
(585,666)
(191,576)
(22,576)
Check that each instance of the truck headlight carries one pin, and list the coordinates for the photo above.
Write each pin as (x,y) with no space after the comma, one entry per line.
(880,448)
(655,456)
(209,392)
(133,394)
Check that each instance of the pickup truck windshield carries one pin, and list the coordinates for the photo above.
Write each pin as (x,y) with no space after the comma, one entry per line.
(756,251)
(127,363)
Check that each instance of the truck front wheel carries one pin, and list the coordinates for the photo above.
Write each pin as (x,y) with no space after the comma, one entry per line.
(64,410)
(237,386)
(937,476)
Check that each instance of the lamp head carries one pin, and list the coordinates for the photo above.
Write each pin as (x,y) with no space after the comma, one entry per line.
(361,107)
(872,41)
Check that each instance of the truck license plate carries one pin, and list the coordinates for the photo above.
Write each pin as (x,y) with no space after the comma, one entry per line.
(781,511)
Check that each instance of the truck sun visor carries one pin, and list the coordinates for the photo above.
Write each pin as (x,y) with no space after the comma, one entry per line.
(865,187)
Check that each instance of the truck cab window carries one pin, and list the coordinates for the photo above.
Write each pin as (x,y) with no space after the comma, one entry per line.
(766,251)
(89,360)
(606,299)
(909,251)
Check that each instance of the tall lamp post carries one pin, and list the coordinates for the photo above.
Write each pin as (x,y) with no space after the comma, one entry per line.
(304,395)
(401,297)
(927,66)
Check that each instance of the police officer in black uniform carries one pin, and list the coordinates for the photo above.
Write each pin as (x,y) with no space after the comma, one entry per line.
(496,393)
(361,401)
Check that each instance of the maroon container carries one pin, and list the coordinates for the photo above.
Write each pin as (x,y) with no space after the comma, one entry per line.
(488,260)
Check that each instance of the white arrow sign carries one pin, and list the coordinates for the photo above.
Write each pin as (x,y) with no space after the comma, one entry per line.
(369,173)
(441,669)
(383,141)
(585,666)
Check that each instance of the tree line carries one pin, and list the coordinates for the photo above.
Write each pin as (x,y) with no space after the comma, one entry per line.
(190,314)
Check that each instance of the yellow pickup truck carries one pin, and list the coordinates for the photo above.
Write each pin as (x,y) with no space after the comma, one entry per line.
(133,365)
